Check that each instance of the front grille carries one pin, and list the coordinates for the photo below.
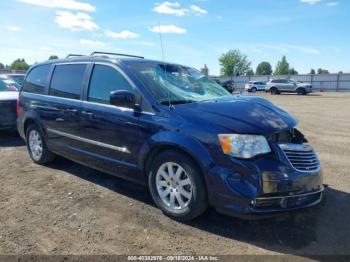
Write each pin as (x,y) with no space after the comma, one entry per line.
(302,157)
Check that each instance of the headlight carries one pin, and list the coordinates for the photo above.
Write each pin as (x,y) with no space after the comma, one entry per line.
(244,146)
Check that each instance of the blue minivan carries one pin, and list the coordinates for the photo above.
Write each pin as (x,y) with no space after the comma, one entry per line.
(169,127)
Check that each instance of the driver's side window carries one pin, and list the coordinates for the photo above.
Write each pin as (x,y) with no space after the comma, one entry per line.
(104,80)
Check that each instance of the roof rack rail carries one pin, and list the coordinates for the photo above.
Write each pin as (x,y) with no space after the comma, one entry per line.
(116,54)
(73,55)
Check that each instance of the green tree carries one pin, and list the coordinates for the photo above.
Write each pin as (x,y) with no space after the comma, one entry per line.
(264,68)
(250,72)
(2,66)
(53,57)
(312,72)
(205,70)
(234,63)
(19,64)
(292,71)
(321,71)
(282,67)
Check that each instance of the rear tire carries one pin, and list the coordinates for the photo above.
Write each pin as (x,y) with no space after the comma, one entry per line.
(37,147)
(177,186)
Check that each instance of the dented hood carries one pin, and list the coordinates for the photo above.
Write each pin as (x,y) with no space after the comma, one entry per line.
(240,114)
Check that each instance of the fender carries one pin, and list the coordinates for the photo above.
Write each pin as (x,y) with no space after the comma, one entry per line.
(180,141)
(29,116)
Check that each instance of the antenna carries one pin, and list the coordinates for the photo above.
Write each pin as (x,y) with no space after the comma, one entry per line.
(163,56)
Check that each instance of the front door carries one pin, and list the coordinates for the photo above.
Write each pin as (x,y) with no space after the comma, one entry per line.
(111,133)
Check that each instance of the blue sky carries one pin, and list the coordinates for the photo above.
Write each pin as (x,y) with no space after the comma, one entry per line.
(311,33)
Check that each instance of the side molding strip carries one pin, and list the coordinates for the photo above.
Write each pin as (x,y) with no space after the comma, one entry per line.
(92,142)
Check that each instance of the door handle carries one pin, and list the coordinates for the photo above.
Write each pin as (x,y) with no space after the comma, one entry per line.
(87,113)
(72,110)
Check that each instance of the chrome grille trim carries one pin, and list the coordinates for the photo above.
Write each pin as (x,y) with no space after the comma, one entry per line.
(302,157)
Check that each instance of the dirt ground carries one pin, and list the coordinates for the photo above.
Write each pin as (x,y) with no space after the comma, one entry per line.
(65,208)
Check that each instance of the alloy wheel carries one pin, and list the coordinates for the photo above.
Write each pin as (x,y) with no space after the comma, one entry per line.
(174,186)
(35,145)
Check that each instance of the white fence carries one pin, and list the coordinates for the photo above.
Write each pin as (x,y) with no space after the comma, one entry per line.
(329,82)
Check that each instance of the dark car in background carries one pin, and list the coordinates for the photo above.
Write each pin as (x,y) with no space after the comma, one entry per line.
(228,85)
(170,128)
(8,101)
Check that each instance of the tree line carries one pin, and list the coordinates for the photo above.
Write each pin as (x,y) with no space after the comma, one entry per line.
(20,64)
(235,63)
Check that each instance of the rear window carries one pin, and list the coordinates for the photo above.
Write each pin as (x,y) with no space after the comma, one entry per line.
(281,81)
(37,79)
(67,81)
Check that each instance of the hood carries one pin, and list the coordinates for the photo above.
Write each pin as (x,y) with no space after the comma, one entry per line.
(8,95)
(240,114)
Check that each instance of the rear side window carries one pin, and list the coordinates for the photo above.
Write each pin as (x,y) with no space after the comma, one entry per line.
(105,80)
(36,80)
(67,81)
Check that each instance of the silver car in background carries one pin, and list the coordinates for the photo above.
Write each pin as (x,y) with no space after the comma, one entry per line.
(277,86)
(254,86)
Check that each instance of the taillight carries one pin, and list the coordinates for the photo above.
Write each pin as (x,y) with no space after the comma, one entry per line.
(18,109)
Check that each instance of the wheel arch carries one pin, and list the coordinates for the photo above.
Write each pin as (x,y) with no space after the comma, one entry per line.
(30,119)
(177,142)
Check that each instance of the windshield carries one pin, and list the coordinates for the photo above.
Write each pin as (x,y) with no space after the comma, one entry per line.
(7,84)
(18,79)
(176,83)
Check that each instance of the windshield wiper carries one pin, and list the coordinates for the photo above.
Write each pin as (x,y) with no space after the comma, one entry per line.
(176,102)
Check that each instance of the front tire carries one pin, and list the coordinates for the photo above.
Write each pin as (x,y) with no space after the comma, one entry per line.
(177,186)
(301,91)
(254,90)
(37,147)
(274,91)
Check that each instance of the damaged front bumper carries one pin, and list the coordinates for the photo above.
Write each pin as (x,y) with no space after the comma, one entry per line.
(270,184)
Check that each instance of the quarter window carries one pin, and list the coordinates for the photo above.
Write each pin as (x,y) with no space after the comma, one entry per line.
(67,81)
(105,80)
(36,80)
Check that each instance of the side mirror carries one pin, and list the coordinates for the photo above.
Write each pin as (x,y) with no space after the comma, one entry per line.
(122,98)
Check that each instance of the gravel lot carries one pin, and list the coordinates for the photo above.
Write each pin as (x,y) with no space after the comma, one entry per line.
(65,208)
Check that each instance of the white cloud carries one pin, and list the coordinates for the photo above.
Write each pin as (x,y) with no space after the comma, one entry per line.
(168,29)
(304,49)
(45,48)
(174,8)
(197,10)
(145,43)
(332,4)
(310,2)
(63,4)
(75,22)
(170,8)
(285,48)
(13,28)
(92,43)
(123,34)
